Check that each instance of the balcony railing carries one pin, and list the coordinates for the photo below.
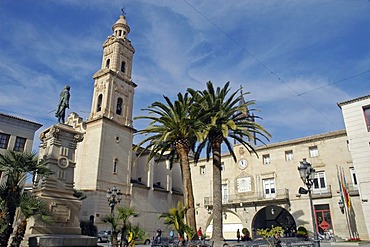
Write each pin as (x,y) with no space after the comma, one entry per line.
(322,193)
(258,198)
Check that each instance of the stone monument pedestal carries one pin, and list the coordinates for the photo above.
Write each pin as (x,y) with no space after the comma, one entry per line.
(61,240)
(57,150)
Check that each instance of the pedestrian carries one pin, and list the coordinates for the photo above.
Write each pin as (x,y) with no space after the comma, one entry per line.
(276,240)
(238,235)
(172,234)
(199,233)
(158,238)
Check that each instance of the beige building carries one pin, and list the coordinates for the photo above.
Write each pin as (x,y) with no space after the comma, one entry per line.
(105,157)
(356,114)
(260,192)
(16,134)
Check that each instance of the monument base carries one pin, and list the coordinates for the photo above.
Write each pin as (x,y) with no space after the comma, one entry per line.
(57,240)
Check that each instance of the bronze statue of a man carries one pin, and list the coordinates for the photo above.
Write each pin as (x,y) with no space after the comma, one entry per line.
(63,104)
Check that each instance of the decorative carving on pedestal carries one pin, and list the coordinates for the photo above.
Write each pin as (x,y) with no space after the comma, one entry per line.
(63,162)
(61,212)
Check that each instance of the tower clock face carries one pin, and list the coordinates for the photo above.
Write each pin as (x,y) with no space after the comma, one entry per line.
(243,164)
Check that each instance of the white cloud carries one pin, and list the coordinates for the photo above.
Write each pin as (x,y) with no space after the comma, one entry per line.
(307,45)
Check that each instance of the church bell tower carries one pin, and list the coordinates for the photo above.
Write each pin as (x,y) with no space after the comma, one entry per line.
(104,157)
(113,88)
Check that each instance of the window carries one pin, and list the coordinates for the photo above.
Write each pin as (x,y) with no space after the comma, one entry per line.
(225,193)
(314,152)
(4,140)
(202,170)
(20,142)
(319,182)
(98,106)
(266,159)
(119,106)
(222,166)
(115,162)
(123,66)
(107,63)
(289,155)
(269,188)
(367,116)
(353,177)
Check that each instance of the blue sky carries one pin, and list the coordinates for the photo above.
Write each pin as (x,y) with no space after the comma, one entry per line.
(297,58)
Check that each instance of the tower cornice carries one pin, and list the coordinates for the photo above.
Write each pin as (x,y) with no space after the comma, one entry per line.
(119,74)
(123,41)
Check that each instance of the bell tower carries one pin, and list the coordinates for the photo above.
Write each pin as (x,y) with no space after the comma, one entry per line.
(114,88)
(104,157)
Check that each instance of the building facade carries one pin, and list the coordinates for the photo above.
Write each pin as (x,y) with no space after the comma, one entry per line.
(356,115)
(262,191)
(16,134)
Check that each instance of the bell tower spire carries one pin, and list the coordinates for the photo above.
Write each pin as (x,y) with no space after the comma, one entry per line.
(114,88)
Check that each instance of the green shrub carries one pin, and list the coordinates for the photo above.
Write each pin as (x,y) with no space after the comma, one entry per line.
(245,232)
(302,232)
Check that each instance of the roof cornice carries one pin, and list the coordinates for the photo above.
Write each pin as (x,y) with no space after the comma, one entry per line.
(340,104)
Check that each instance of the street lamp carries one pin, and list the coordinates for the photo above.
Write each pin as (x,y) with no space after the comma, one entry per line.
(307,173)
(114,196)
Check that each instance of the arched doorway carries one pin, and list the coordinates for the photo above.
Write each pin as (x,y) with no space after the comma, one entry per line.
(231,223)
(271,216)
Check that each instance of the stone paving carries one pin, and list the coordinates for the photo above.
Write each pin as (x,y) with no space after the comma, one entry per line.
(322,244)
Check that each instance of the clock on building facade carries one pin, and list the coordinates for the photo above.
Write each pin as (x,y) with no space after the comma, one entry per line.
(243,164)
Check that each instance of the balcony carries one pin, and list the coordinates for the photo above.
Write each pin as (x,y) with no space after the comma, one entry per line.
(322,193)
(256,199)
(353,189)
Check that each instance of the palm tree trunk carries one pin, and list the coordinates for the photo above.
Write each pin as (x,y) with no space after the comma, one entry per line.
(188,189)
(217,236)
(114,239)
(19,234)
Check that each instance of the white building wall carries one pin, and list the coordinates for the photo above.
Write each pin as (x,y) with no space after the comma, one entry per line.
(359,140)
(15,126)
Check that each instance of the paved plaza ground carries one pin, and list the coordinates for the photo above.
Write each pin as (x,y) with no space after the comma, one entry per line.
(322,244)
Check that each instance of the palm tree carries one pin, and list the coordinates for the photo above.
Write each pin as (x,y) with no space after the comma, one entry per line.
(124,214)
(223,117)
(138,233)
(16,166)
(113,221)
(30,206)
(175,217)
(172,132)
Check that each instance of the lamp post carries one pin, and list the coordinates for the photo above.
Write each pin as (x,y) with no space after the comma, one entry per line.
(307,173)
(114,196)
